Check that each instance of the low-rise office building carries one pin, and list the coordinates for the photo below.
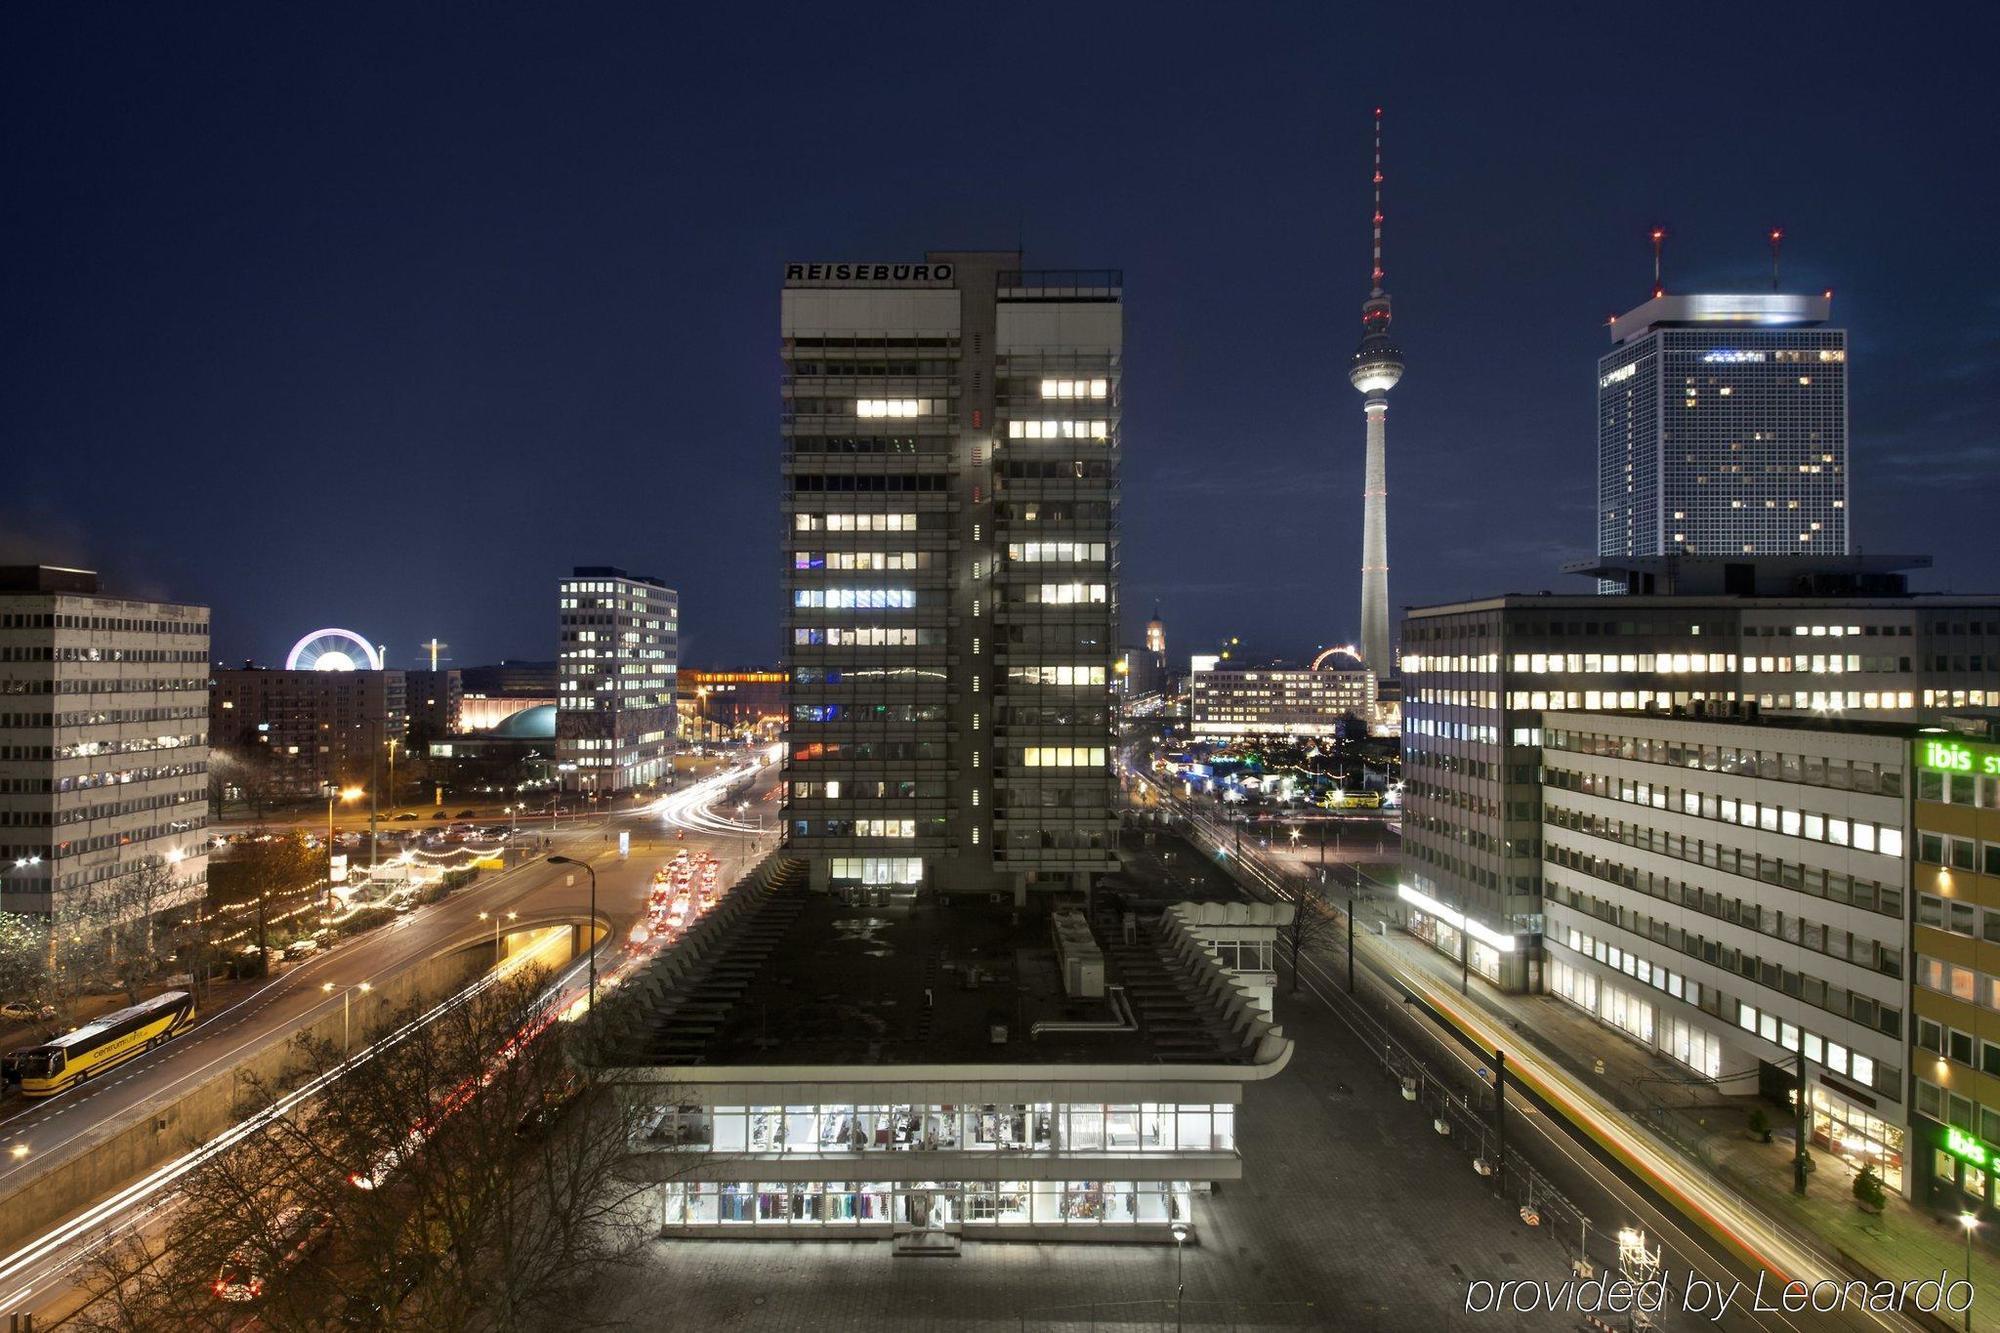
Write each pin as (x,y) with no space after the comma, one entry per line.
(1731,890)
(1321,700)
(721,705)
(103,741)
(803,1066)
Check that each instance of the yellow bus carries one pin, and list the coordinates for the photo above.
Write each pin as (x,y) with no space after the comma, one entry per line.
(102,1044)
(1354,800)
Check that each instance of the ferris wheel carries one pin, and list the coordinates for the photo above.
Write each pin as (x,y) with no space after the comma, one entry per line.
(333,650)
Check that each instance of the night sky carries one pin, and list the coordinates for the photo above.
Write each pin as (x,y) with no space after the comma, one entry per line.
(384,317)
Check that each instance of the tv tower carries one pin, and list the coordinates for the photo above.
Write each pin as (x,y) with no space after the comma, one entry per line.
(1377,365)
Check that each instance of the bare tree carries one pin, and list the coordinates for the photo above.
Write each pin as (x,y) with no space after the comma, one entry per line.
(24,956)
(1315,921)
(128,916)
(266,878)
(477,1180)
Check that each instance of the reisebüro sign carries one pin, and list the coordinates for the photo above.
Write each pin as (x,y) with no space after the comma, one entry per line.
(864,275)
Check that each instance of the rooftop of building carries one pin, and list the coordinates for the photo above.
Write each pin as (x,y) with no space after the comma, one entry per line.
(1723,310)
(803,978)
(47,578)
(1703,580)
(1746,713)
(613,572)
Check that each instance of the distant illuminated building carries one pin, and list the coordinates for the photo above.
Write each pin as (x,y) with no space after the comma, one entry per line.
(1321,700)
(720,705)
(1722,429)
(616,661)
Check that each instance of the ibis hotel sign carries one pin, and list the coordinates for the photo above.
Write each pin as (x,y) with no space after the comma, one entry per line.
(1944,754)
(868,275)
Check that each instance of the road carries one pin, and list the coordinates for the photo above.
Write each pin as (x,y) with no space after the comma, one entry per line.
(35,1137)
(1699,1225)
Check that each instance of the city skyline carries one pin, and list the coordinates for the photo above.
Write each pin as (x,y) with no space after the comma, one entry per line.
(387,321)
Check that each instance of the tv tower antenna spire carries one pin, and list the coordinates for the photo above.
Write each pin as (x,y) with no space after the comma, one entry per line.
(1376,276)
(1777,238)
(1659,236)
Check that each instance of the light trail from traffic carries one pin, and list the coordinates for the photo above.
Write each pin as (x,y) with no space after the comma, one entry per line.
(44,1259)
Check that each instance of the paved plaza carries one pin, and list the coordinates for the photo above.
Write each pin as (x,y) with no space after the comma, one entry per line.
(1351,1215)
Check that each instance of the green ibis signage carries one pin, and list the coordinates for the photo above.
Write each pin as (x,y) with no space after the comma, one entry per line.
(1951,756)
(1968,1149)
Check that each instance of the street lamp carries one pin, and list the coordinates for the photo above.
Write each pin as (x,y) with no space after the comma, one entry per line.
(333,794)
(511,916)
(572,861)
(346,994)
(1971,1223)
(1180,1288)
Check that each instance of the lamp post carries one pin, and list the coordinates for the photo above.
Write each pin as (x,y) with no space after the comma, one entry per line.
(1970,1222)
(346,994)
(511,916)
(333,794)
(572,861)
(1180,1288)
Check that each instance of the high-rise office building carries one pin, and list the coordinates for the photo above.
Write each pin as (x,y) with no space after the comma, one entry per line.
(616,664)
(1824,637)
(1722,429)
(1376,367)
(103,741)
(951,438)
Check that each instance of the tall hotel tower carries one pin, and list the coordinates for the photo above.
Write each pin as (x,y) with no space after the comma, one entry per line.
(1377,365)
(951,567)
(1722,429)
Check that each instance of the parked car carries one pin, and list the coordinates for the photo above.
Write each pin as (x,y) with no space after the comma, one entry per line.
(407,814)
(20,1011)
(303,947)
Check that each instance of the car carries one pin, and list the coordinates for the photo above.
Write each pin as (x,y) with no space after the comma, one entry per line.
(374,1304)
(303,947)
(407,814)
(295,1233)
(466,814)
(440,815)
(19,1011)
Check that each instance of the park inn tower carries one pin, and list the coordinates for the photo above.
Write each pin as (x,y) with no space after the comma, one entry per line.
(1722,429)
(951,433)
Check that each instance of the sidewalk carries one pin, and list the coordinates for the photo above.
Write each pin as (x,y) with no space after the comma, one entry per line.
(1689,1115)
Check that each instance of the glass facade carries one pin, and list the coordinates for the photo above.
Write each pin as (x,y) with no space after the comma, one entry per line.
(926,1203)
(1067,1129)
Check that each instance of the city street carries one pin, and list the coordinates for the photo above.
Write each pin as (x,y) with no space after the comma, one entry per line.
(36,1137)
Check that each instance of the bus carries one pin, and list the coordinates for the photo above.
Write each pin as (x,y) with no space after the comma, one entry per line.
(103,1043)
(1353,800)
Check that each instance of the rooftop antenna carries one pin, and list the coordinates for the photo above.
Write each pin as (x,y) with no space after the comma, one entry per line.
(432,648)
(1659,235)
(1777,238)
(1377,276)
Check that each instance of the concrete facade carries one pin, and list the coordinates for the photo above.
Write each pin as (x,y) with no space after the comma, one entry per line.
(104,738)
